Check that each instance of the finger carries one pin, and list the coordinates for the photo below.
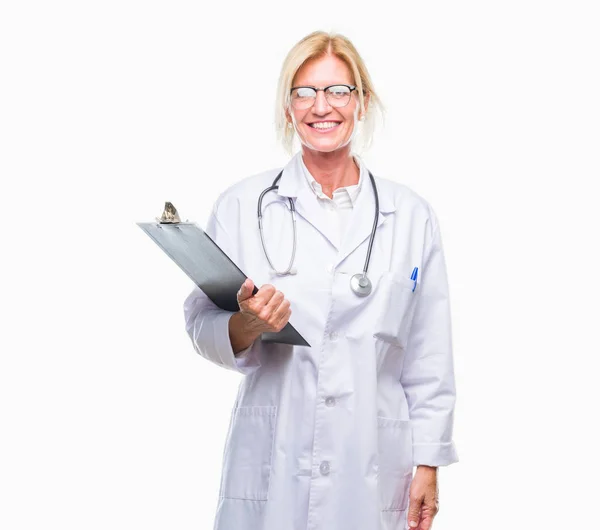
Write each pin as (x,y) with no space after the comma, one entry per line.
(264,295)
(429,510)
(414,512)
(283,315)
(269,312)
(245,291)
(426,523)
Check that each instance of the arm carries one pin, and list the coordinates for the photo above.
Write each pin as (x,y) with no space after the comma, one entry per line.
(428,374)
(215,332)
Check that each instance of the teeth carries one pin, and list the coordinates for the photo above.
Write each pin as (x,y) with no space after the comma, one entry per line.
(324,125)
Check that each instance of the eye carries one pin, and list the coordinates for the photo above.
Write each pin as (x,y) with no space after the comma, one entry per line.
(303,93)
(338,91)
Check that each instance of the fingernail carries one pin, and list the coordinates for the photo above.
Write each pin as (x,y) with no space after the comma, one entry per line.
(413,524)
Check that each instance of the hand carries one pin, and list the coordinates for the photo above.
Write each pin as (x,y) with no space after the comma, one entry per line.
(424,505)
(266,311)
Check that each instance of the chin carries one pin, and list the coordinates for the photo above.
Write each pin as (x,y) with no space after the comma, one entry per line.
(325,147)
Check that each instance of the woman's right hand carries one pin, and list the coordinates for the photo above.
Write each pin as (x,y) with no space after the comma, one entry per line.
(266,311)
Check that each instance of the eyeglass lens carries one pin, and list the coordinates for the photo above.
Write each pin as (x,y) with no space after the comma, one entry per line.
(304,97)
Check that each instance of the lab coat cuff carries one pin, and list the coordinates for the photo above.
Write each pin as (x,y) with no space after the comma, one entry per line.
(434,454)
(247,360)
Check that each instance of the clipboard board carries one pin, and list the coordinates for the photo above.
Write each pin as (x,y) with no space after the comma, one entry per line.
(196,254)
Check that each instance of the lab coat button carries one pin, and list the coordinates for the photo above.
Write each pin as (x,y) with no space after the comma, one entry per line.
(324,468)
(333,336)
(330,401)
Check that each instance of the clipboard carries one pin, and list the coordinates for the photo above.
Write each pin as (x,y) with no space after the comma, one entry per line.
(196,254)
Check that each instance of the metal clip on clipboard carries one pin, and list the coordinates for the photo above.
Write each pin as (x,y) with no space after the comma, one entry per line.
(207,266)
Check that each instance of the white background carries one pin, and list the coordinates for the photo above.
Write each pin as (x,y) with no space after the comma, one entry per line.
(109,419)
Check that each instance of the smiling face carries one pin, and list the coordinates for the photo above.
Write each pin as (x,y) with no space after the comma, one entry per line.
(322,127)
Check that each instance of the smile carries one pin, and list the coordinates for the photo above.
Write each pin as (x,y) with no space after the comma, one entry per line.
(324,126)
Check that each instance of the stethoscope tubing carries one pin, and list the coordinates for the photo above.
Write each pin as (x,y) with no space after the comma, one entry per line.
(274,187)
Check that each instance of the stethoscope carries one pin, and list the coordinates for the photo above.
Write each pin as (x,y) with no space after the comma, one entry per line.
(359,283)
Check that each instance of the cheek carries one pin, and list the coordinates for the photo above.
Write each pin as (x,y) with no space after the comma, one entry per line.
(350,115)
(350,119)
(298,115)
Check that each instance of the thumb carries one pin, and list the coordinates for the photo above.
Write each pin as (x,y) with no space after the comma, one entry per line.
(245,291)
(414,511)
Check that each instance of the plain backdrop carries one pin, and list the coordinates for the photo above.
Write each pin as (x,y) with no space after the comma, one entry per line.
(109,419)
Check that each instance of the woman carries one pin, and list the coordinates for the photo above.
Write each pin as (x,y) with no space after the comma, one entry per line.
(326,436)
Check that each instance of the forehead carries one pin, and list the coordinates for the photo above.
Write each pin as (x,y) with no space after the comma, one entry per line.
(324,71)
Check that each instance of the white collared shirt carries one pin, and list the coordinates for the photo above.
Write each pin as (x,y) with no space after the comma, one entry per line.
(339,208)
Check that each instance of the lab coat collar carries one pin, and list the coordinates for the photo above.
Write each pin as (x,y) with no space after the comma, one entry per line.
(293,183)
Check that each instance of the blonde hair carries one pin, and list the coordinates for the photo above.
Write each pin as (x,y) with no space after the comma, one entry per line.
(316,45)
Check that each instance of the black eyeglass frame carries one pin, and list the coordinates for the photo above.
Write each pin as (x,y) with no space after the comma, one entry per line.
(351,87)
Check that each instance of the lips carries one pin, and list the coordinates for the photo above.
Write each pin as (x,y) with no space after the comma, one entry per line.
(323,126)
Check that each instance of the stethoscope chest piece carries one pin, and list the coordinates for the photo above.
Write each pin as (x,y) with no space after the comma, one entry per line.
(360,284)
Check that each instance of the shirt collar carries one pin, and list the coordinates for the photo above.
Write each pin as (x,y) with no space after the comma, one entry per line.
(351,191)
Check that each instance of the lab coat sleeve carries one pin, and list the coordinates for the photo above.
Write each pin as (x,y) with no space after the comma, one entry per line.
(428,374)
(208,325)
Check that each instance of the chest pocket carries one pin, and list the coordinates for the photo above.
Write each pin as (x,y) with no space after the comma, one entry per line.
(396,307)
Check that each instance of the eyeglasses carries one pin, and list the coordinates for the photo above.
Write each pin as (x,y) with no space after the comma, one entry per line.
(304,97)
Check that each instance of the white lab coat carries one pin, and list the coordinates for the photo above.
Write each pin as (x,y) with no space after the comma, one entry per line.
(325,437)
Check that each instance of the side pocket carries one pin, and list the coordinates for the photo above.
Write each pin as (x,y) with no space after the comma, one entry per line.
(398,301)
(395,463)
(248,453)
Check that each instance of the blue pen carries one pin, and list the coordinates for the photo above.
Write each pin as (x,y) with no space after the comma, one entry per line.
(413,276)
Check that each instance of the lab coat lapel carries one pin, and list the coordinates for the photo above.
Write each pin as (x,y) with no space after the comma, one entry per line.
(293,183)
(307,205)
(362,218)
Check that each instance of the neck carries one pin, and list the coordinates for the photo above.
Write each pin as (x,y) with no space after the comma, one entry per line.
(332,170)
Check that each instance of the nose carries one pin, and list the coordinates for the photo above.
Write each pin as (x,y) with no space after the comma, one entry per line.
(321,105)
